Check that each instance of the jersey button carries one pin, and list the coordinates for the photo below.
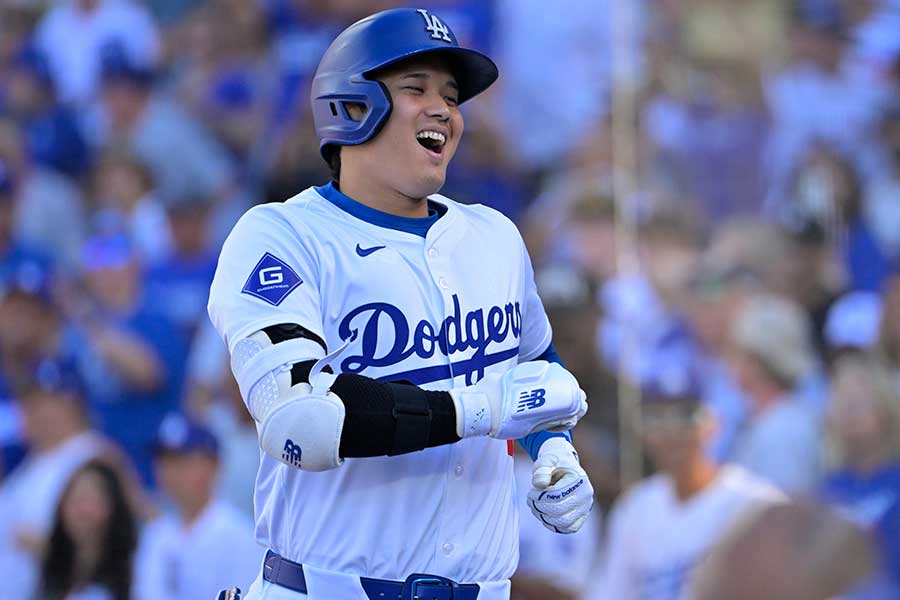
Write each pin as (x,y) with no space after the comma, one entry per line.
(443,283)
(458,470)
(448,548)
(432,252)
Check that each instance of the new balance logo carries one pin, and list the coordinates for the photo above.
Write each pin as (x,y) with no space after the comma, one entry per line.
(529,400)
(291,453)
(433,25)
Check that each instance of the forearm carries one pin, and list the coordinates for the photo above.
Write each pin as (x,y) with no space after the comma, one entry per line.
(314,420)
(532,442)
(130,357)
(373,425)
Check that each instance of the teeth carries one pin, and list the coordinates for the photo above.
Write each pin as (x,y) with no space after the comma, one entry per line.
(434,135)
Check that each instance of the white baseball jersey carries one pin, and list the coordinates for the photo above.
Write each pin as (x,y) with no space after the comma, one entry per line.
(439,311)
(655,540)
(179,561)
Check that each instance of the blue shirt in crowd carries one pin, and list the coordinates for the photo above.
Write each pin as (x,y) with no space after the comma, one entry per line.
(873,501)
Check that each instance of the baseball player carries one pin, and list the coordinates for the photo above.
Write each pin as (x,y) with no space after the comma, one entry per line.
(390,344)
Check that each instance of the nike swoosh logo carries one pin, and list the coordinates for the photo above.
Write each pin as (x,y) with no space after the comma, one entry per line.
(367,251)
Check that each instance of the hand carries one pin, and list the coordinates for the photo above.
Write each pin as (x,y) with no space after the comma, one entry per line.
(532,396)
(562,496)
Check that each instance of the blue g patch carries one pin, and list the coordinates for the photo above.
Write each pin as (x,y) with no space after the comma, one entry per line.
(271,280)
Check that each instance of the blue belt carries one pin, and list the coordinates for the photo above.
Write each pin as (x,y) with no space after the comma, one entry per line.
(289,574)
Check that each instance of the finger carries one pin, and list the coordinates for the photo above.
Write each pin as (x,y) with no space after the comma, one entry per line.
(542,477)
(575,526)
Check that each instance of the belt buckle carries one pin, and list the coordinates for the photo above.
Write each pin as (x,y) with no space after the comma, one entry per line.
(412,583)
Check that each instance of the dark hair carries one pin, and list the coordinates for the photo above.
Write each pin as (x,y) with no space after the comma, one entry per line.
(333,158)
(114,569)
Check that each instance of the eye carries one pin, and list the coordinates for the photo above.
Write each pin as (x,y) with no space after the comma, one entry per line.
(452,101)
(414,88)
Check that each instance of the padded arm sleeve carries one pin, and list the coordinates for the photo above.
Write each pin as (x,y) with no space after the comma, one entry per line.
(388,418)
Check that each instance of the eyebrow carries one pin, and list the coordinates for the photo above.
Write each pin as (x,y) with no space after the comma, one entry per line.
(424,76)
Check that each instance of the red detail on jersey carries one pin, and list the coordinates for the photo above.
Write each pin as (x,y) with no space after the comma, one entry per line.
(510,447)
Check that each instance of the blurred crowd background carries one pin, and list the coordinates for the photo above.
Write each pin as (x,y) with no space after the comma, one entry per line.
(710,191)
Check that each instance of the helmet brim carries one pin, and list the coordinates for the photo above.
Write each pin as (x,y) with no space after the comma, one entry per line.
(474,71)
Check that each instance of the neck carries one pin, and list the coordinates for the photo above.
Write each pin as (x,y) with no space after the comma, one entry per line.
(86,558)
(868,460)
(64,432)
(765,398)
(192,510)
(375,194)
(694,479)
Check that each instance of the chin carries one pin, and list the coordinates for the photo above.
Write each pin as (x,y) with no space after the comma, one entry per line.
(430,184)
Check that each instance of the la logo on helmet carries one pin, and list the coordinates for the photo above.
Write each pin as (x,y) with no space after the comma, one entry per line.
(438,30)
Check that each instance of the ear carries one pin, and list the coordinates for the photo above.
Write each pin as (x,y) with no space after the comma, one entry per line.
(356,110)
(709,426)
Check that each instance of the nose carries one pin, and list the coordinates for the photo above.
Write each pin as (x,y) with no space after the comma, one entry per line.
(437,108)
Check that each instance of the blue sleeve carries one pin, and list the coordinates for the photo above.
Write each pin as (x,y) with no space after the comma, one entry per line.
(533,441)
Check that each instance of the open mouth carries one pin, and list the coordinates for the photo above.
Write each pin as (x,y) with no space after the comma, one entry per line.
(433,141)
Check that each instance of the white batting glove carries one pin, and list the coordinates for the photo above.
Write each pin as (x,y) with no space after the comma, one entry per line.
(532,396)
(562,495)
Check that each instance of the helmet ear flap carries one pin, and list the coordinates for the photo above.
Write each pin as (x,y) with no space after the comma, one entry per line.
(348,119)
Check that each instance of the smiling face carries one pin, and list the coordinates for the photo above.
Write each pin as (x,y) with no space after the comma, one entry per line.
(410,154)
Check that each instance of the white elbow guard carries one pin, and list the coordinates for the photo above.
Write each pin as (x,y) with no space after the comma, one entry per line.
(299,425)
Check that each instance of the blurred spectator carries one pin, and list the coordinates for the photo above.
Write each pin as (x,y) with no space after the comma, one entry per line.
(770,353)
(556,76)
(60,441)
(231,422)
(52,133)
(572,223)
(43,199)
(888,346)
(177,286)
(225,76)
(718,293)
(815,97)
(73,33)
(89,551)
(663,528)
(864,419)
(32,330)
(827,194)
(133,356)
(882,211)
(787,551)
(643,329)
(184,158)
(125,198)
(707,122)
(206,545)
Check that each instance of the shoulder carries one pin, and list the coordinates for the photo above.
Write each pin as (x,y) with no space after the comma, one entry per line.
(226,517)
(740,481)
(295,214)
(787,423)
(476,212)
(643,497)
(482,217)
(159,530)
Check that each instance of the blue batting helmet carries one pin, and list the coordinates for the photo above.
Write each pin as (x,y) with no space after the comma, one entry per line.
(371,44)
